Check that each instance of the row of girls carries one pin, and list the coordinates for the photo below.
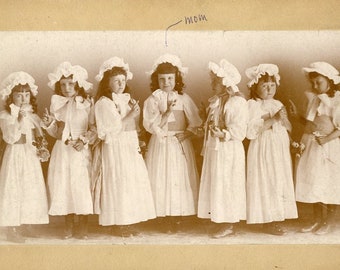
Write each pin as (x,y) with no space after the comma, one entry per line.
(96,165)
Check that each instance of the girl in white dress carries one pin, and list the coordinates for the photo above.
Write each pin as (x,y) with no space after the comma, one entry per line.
(23,197)
(270,190)
(124,197)
(72,123)
(318,171)
(222,196)
(171,117)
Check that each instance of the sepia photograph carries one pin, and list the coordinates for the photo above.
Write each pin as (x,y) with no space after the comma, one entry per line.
(173,135)
(186,137)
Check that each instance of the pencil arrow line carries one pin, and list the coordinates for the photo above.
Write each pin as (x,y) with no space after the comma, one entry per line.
(166,32)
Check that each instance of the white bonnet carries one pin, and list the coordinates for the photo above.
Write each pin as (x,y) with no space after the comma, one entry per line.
(231,76)
(111,63)
(15,79)
(169,58)
(324,69)
(79,75)
(256,72)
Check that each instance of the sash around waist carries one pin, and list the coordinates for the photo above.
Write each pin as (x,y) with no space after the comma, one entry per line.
(322,124)
(180,123)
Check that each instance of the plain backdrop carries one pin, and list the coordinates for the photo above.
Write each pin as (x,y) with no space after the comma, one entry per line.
(38,53)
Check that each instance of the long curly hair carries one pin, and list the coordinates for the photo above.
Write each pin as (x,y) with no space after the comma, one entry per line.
(265,78)
(167,68)
(80,90)
(21,88)
(104,85)
(332,86)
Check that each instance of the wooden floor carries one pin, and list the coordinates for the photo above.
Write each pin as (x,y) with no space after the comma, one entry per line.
(193,231)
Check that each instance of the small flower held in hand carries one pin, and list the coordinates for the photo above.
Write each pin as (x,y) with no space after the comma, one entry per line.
(40,144)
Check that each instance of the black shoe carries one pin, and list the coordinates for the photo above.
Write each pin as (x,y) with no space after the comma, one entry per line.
(312,227)
(223,232)
(14,236)
(28,231)
(125,231)
(69,224)
(273,228)
(323,229)
(68,233)
(133,230)
(83,231)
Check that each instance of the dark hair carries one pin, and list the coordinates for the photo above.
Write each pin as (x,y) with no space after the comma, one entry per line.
(80,90)
(265,78)
(332,86)
(104,85)
(167,68)
(21,88)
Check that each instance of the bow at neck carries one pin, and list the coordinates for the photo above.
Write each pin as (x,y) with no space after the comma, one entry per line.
(58,102)
(163,98)
(163,95)
(119,99)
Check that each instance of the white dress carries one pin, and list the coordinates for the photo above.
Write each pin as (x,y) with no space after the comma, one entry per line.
(171,164)
(126,196)
(69,170)
(23,197)
(270,188)
(318,171)
(222,196)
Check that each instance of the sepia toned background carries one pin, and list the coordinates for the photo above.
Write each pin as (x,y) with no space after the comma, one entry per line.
(38,53)
(290,53)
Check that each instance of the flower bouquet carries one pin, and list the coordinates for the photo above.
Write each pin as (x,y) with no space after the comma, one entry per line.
(40,144)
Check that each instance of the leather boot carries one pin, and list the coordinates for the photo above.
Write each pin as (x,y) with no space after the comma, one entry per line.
(13,235)
(69,224)
(83,220)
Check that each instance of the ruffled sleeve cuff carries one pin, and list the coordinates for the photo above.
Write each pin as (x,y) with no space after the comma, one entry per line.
(227,135)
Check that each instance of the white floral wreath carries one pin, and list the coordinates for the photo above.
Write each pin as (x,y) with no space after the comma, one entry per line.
(111,63)
(256,72)
(15,79)
(79,75)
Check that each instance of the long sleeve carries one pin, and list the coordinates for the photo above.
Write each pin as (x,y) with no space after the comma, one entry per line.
(10,127)
(336,110)
(91,134)
(236,118)
(152,116)
(52,129)
(192,113)
(108,120)
(255,123)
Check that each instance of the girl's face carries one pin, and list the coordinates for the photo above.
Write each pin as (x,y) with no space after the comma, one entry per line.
(167,82)
(217,85)
(266,90)
(320,84)
(21,97)
(117,83)
(68,87)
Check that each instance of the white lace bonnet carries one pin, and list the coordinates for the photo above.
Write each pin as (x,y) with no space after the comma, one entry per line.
(79,75)
(231,76)
(15,79)
(256,72)
(169,58)
(111,63)
(324,69)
